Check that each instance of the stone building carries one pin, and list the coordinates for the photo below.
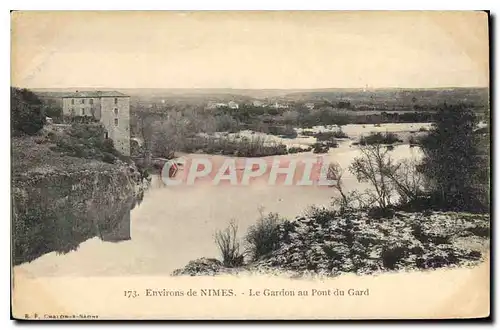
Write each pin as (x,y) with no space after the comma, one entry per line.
(111,108)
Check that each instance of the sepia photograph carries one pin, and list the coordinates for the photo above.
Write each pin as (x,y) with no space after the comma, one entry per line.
(250,165)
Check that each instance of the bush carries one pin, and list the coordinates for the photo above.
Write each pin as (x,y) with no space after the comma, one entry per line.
(87,141)
(328,136)
(263,237)
(379,213)
(226,123)
(27,114)
(393,254)
(320,148)
(379,138)
(308,133)
(55,112)
(294,150)
(321,215)
(229,246)
(412,141)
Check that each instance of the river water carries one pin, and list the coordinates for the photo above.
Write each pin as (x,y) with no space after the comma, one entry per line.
(174,225)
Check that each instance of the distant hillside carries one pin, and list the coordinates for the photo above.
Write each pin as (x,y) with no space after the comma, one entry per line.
(478,96)
(393,97)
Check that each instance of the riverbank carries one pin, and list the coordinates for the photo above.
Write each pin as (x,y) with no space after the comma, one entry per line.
(60,201)
(330,244)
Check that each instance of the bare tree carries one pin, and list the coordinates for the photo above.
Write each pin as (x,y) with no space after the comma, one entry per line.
(375,166)
(335,173)
(408,181)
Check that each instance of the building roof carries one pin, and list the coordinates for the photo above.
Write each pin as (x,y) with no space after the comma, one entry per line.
(94,94)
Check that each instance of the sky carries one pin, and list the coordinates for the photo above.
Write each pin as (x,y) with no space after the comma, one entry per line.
(254,50)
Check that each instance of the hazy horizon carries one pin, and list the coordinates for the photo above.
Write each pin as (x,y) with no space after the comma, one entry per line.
(255,89)
(285,50)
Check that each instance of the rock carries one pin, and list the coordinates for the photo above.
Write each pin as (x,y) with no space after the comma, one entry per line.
(200,267)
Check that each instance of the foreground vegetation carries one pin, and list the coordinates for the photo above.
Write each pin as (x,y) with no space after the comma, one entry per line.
(329,243)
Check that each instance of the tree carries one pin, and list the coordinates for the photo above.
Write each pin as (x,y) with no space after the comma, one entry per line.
(407,180)
(53,111)
(26,110)
(375,167)
(335,173)
(455,167)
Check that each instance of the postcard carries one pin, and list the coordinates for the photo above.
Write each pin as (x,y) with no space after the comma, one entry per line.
(250,165)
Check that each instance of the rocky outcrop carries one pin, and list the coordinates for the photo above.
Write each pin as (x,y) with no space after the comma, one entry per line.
(57,210)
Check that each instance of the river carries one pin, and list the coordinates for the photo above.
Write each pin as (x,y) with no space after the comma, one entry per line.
(173,225)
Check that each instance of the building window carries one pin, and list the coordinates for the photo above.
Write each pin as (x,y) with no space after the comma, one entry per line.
(72,111)
(83,101)
(116,111)
(116,100)
(91,101)
(116,121)
(83,111)
(72,101)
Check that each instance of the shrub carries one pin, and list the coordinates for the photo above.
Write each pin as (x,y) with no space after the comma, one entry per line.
(294,150)
(226,123)
(108,158)
(328,136)
(289,133)
(87,141)
(379,213)
(55,112)
(283,131)
(412,141)
(320,148)
(263,237)
(321,215)
(392,254)
(228,245)
(308,133)
(379,138)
